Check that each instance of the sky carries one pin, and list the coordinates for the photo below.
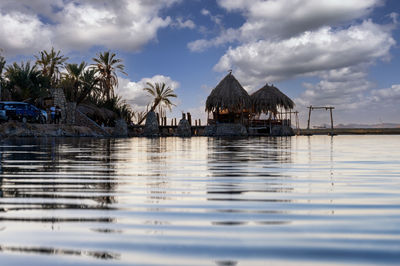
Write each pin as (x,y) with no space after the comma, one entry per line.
(318,52)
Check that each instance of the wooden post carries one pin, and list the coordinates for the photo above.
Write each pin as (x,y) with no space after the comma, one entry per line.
(189,117)
(199,122)
(270,127)
(330,109)
(309,117)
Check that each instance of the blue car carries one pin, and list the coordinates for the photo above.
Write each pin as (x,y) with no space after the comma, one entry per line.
(22,112)
(3,115)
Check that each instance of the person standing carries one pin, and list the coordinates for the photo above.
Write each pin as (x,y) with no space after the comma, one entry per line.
(58,114)
(53,114)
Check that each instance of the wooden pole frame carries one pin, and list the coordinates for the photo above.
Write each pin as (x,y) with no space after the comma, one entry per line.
(330,108)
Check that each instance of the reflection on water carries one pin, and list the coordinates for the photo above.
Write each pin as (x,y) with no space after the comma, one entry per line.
(51,251)
(200,201)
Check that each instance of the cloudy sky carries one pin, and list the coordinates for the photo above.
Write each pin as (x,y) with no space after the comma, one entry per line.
(318,52)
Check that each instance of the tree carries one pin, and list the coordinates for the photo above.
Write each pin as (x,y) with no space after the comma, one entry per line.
(161,96)
(73,80)
(50,63)
(25,82)
(88,85)
(119,107)
(2,65)
(107,66)
(140,116)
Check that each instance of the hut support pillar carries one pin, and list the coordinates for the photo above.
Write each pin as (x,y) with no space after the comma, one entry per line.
(297,123)
(309,117)
(270,127)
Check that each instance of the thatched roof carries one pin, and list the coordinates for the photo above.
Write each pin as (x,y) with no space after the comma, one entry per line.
(228,94)
(269,98)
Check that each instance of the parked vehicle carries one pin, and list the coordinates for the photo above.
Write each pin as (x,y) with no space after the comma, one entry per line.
(3,115)
(44,114)
(22,112)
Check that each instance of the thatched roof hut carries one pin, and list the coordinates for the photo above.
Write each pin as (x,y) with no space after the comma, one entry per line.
(268,99)
(228,95)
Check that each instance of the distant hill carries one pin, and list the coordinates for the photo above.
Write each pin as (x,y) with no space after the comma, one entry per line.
(381,125)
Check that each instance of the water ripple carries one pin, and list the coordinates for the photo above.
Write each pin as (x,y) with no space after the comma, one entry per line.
(200,201)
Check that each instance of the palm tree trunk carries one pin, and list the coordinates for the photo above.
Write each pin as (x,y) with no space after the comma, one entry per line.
(151,110)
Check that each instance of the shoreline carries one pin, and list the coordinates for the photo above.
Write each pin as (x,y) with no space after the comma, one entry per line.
(349,131)
(18,129)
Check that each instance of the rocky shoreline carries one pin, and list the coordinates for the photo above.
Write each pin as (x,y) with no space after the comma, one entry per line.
(19,129)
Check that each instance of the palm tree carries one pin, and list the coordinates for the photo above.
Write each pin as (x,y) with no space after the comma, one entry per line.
(107,66)
(120,107)
(89,85)
(73,80)
(50,63)
(25,82)
(2,65)
(140,115)
(161,95)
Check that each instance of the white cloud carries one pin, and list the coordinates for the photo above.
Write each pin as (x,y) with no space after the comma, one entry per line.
(307,54)
(274,20)
(85,25)
(217,19)
(36,7)
(134,94)
(205,12)
(388,96)
(79,25)
(286,18)
(227,36)
(21,33)
(343,88)
(181,24)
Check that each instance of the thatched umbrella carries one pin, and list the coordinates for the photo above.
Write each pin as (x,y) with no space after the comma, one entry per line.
(268,99)
(229,95)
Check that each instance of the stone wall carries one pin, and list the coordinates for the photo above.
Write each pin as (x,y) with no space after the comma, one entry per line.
(70,113)
(82,120)
(151,128)
(60,100)
(226,129)
(184,128)
(121,128)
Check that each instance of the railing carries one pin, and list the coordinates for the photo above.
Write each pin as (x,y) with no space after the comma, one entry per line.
(269,122)
(259,122)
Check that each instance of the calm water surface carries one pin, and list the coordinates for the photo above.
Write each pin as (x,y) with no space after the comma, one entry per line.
(200,201)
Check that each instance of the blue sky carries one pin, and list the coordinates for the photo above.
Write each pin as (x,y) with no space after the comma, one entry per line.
(340,53)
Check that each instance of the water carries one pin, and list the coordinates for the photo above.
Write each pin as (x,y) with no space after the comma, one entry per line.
(200,201)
